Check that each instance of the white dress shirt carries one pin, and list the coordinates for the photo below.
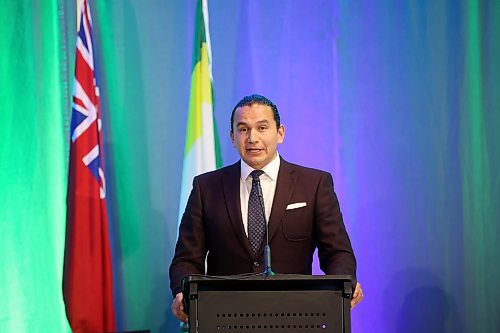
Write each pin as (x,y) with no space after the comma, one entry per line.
(267,182)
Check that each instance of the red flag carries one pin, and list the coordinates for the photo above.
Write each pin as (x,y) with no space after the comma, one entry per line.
(88,280)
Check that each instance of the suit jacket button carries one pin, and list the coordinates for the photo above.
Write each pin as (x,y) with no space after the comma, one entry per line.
(256,264)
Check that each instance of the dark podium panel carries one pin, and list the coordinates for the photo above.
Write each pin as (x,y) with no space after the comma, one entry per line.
(279,303)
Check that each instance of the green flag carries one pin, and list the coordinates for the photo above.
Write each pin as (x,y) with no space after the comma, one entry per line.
(202,152)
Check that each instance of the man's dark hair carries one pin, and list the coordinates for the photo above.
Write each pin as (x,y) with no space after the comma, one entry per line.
(257,99)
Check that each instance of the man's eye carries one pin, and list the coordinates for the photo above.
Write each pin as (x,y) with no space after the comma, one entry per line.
(262,128)
(242,129)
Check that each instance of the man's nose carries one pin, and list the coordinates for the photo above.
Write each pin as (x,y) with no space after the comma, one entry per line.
(252,136)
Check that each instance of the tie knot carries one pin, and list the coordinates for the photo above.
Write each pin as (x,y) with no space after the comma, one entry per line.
(256,174)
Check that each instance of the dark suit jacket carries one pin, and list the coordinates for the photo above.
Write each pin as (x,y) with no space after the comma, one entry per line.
(212,222)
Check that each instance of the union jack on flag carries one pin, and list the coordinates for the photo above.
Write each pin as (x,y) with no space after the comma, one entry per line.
(86,120)
(88,279)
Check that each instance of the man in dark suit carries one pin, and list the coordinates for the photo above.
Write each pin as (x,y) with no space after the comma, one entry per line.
(222,224)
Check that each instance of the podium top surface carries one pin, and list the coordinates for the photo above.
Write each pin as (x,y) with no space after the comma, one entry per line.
(195,283)
(263,277)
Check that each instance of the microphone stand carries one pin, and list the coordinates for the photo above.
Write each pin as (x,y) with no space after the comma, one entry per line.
(267,249)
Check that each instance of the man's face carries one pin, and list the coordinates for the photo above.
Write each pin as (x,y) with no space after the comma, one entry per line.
(255,135)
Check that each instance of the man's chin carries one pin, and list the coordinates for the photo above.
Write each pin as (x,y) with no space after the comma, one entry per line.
(256,163)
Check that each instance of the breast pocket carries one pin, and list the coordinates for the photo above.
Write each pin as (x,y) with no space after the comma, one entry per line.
(298,224)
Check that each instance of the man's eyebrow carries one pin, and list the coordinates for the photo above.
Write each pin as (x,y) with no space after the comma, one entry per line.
(244,123)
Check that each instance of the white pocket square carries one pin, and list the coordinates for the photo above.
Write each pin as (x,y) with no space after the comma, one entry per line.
(296,205)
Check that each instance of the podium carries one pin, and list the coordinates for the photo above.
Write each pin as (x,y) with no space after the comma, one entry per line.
(268,304)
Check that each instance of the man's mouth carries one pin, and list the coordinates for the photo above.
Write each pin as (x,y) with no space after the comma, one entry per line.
(254,150)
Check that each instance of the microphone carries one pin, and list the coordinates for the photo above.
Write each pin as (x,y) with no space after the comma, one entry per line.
(267,250)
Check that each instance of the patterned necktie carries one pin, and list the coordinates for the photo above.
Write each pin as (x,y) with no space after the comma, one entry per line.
(256,221)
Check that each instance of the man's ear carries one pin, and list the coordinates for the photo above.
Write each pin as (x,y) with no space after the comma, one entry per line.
(231,135)
(281,133)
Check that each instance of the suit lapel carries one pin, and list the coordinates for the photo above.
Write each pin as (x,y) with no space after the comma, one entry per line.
(284,189)
(231,189)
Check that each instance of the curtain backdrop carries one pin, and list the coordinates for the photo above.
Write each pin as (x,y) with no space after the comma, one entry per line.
(398,100)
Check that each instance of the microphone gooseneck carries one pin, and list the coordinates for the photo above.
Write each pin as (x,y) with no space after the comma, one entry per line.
(267,249)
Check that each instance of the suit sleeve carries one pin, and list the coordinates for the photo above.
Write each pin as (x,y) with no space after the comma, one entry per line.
(190,250)
(335,252)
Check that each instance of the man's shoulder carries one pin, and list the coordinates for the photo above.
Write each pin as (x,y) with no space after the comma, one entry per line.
(232,169)
(303,170)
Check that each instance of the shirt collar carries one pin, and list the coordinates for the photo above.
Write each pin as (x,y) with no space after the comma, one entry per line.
(271,169)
